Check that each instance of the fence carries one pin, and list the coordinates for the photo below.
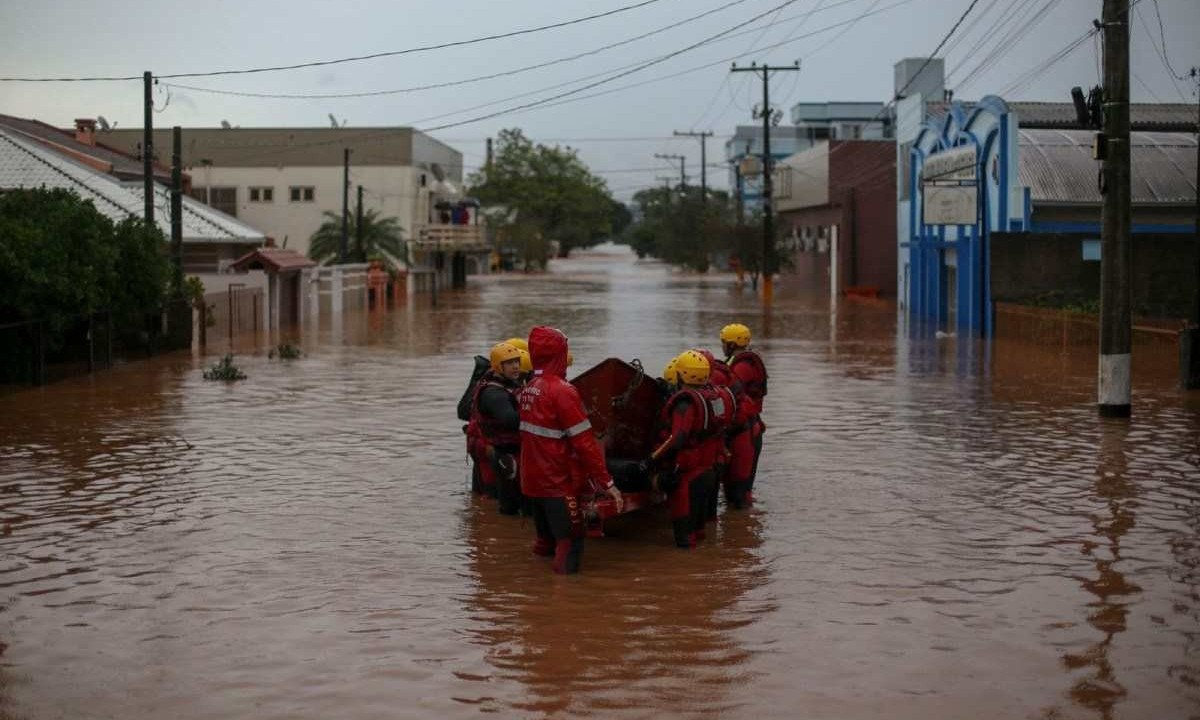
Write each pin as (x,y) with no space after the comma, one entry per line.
(231,313)
(34,352)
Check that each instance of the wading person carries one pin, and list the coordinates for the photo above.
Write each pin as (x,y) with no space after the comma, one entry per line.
(697,415)
(750,386)
(557,450)
(493,438)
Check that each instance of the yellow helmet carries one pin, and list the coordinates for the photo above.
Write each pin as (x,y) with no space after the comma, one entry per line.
(736,333)
(518,343)
(692,367)
(502,353)
(669,373)
(526,361)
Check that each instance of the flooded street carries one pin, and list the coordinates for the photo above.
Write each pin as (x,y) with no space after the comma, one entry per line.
(934,536)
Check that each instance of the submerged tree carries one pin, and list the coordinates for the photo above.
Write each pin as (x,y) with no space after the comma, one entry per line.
(382,239)
(550,191)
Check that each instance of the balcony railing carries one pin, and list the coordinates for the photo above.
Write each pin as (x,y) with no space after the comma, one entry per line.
(451,237)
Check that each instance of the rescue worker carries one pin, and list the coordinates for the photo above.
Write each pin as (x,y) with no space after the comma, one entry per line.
(721,378)
(493,438)
(745,443)
(526,367)
(698,415)
(557,448)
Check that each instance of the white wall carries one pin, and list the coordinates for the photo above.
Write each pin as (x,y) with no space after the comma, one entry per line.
(393,190)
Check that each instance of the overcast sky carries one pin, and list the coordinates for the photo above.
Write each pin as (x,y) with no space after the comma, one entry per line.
(56,38)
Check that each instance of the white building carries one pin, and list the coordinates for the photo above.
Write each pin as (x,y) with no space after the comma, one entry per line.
(283,180)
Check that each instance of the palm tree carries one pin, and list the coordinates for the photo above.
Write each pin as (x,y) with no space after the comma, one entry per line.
(382,239)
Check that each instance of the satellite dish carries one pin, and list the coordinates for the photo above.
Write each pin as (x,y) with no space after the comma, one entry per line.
(225,125)
(103,123)
(437,171)
(333,122)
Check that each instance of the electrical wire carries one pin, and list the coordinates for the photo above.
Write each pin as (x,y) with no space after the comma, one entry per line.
(462,81)
(372,56)
(1161,52)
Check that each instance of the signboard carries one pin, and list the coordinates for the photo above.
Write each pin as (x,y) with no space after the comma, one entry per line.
(948,185)
(751,166)
(954,165)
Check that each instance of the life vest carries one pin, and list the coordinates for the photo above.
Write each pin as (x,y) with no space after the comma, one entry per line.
(716,406)
(487,428)
(756,389)
(720,374)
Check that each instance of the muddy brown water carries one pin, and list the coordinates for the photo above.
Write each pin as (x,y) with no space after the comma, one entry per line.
(944,529)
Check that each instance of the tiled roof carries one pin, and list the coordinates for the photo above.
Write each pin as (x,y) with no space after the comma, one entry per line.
(1058,167)
(276,259)
(123,165)
(27,164)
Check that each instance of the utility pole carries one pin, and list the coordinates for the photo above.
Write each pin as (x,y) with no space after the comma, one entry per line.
(148,148)
(768,216)
(1113,386)
(703,161)
(177,210)
(1189,341)
(487,166)
(343,249)
(682,170)
(358,226)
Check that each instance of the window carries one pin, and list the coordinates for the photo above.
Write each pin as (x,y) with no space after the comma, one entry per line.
(301,193)
(262,194)
(223,199)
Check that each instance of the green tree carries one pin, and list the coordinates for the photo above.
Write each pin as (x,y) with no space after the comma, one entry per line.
(550,188)
(382,239)
(60,258)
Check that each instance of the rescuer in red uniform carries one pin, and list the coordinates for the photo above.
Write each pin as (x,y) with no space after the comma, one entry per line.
(698,415)
(556,439)
(721,378)
(493,440)
(750,385)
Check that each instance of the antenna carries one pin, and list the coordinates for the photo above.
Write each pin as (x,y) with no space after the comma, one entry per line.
(103,123)
(225,125)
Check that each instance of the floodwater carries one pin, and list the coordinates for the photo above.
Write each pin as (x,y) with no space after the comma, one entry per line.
(943,530)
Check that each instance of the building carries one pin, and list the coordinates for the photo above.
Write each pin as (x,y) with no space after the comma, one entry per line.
(211,239)
(978,173)
(81,146)
(834,201)
(284,180)
(747,145)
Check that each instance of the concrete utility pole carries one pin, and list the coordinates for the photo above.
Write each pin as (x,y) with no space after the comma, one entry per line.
(487,166)
(1189,341)
(703,161)
(177,210)
(682,170)
(343,249)
(1116,256)
(148,147)
(767,183)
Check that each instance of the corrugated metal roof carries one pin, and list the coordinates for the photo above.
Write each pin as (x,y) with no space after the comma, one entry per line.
(1166,117)
(26,164)
(1057,166)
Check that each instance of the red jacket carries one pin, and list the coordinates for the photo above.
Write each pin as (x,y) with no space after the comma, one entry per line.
(555,432)
(751,374)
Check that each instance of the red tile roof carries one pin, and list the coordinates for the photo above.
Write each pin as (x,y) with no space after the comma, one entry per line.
(272,260)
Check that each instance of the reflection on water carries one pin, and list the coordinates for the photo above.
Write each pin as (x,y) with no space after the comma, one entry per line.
(944,529)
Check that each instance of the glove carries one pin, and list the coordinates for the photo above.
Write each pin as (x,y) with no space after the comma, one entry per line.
(507,465)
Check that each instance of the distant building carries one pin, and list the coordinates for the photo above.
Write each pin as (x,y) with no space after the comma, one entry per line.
(284,180)
(834,203)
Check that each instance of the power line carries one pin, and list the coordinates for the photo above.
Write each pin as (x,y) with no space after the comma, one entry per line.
(1161,52)
(463,81)
(932,55)
(1163,35)
(372,56)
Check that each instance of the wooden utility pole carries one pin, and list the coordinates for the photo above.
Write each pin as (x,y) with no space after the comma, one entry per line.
(148,147)
(358,227)
(343,249)
(682,168)
(1116,256)
(703,161)
(177,210)
(768,243)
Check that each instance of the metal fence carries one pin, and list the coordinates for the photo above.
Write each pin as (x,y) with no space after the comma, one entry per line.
(42,350)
